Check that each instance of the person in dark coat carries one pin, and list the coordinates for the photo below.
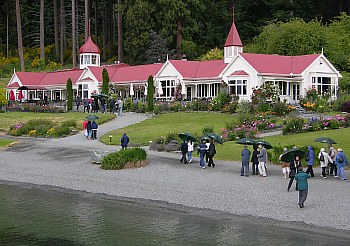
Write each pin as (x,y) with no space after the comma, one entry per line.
(111,105)
(77,102)
(255,161)
(94,127)
(310,156)
(302,186)
(245,161)
(88,129)
(294,165)
(124,141)
(202,151)
(183,149)
(86,105)
(211,153)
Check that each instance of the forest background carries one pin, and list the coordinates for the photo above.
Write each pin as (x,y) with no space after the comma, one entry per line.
(146,31)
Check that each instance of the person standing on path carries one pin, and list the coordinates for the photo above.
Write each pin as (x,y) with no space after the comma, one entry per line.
(324,160)
(77,102)
(262,158)
(207,153)
(341,161)
(302,186)
(111,105)
(332,167)
(124,141)
(120,107)
(190,147)
(254,160)
(94,127)
(86,105)
(183,149)
(285,165)
(202,151)
(245,161)
(310,157)
(85,122)
(88,130)
(211,153)
(294,165)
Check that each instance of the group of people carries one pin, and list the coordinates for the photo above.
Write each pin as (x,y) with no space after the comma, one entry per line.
(96,104)
(258,159)
(206,151)
(90,129)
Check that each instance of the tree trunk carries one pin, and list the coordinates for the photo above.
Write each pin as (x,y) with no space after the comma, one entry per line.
(87,27)
(19,36)
(42,31)
(103,35)
(179,38)
(57,50)
(62,33)
(120,33)
(74,56)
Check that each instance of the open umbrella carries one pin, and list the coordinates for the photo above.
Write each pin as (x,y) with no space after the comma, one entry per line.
(204,137)
(131,89)
(247,141)
(325,140)
(12,95)
(186,136)
(146,90)
(215,137)
(291,154)
(160,88)
(92,117)
(264,143)
(20,95)
(183,88)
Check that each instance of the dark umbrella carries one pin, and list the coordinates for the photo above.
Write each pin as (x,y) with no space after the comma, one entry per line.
(92,117)
(247,141)
(186,136)
(325,140)
(204,137)
(291,154)
(215,137)
(264,143)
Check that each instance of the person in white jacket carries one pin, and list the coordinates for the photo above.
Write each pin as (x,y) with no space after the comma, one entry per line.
(324,160)
(190,145)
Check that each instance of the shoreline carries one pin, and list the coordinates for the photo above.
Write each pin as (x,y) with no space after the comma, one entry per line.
(155,204)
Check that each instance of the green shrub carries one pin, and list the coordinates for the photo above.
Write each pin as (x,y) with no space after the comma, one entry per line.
(293,125)
(171,136)
(69,123)
(280,108)
(118,160)
(156,109)
(207,129)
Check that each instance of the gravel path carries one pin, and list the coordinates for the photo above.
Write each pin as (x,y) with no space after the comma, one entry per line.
(67,163)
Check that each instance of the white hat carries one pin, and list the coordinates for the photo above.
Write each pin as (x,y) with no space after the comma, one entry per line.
(322,150)
(340,149)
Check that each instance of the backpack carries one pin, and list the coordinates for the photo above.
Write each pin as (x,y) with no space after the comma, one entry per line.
(321,157)
(341,159)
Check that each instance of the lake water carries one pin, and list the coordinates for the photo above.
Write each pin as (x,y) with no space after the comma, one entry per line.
(46,216)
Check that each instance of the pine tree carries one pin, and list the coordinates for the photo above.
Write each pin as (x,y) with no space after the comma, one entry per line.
(157,50)
(69,88)
(150,94)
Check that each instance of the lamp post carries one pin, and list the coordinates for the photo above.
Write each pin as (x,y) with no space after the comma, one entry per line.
(110,139)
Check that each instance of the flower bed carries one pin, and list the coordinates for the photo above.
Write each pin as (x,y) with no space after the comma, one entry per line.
(129,158)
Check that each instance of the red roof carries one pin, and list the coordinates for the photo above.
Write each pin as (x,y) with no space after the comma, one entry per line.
(30,78)
(199,69)
(60,77)
(276,64)
(111,69)
(13,85)
(89,47)
(135,73)
(233,38)
(239,73)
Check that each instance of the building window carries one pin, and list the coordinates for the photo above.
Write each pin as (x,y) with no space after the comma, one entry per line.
(237,87)
(85,88)
(86,59)
(94,60)
(323,85)
(168,88)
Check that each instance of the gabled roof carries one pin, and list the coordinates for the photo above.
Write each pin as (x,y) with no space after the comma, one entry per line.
(239,73)
(60,77)
(233,38)
(277,64)
(199,69)
(135,73)
(13,85)
(89,47)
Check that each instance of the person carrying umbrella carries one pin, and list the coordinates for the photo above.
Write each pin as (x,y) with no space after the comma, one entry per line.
(190,146)
(254,160)
(245,161)
(294,165)
(183,149)
(211,153)
(202,150)
(285,165)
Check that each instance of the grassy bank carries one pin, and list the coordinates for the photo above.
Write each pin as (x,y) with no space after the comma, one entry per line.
(5,142)
(10,118)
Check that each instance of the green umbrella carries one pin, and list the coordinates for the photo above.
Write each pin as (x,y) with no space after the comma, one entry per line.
(92,117)
(291,154)
(186,136)
(325,140)
(247,141)
(204,137)
(264,143)
(215,137)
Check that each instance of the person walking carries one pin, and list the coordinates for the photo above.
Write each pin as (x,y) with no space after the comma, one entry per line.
(262,158)
(310,157)
(245,161)
(254,160)
(120,107)
(285,165)
(86,105)
(294,165)
(88,130)
(183,149)
(190,147)
(324,160)
(77,102)
(302,186)
(124,141)
(332,166)
(85,122)
(111,105)
(202,151)
(341,161)
(211,153)
(207,153)
(94,127)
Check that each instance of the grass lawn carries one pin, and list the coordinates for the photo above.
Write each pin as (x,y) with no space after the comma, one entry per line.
(5,142)
(10,118)
(163,124)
